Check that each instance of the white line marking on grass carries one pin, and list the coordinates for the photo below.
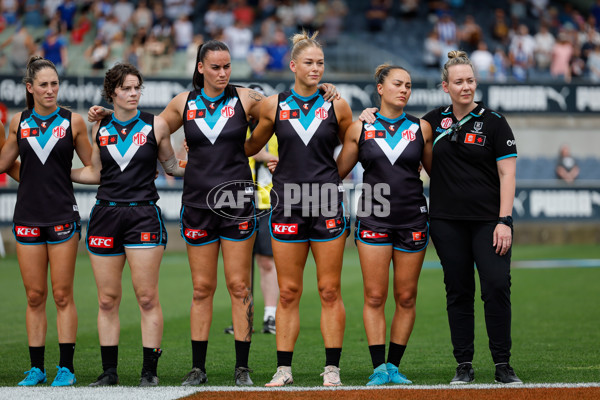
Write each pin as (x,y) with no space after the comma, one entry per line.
(176,392)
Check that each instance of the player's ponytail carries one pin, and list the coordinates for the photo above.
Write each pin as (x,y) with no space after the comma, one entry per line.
(302,41)
(198,78)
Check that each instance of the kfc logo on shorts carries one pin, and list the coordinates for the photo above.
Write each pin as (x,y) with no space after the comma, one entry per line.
(147,237)
(227,112)
(243,226)
(59,132)
(101,242)
(321,113)
(408,135)
(418,236)
(24,231)
(446,123)
(373,235)
(139,139)
(195,233)
(285,229)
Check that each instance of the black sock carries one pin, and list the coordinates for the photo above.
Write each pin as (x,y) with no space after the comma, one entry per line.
(377,354)
(395,353)
(66,355)
(36,355)
(151,356)
(242,349)
(284,358)
(332,356)
(110,357)
(199,354)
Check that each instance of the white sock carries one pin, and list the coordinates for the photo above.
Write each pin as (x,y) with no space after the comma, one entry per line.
(269,312)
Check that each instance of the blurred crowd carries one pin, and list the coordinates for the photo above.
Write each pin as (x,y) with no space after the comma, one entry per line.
(524,38)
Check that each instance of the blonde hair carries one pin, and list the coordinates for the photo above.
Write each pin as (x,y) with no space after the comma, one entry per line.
(455,57)
(302,41)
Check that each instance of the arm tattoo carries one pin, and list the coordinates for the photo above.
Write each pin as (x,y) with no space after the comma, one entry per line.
(254,95)
(249,301)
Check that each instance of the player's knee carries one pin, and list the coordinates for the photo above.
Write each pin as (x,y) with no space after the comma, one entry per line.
(290,294)
(238,289)
(375,299)
(108,303)
(36,298)
(202,292)
(62,297)
(406,299)
(147,300)
(329,294)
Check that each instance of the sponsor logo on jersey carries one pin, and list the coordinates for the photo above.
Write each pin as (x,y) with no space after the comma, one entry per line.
(288,114)
(305,106)
(193,114)
(212,106)
(285,229)
(123,131)
(59,132)
(44,125)
(446,123)
(109,139)
(373,235)
(227,112)
(321,113)
(511,142)
(379,134)
(101,242)
(148,236)
(418,236)
(392,127)
(29,132)
(195,233)
(242,226)
(24,231)
(474,138)
(408,135)
(139,139)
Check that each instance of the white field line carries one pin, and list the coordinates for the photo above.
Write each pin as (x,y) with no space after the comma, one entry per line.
(176,392)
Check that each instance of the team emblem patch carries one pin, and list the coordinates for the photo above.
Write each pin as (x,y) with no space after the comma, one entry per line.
(29,132)
(193,114)
(474,138)
(242,226)
(446,123)
(109,139)
(477,126)
(148,236)
(379,134)
(418,236)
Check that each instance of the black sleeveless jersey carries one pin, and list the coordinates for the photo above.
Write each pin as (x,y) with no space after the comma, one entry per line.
(215,130)
(307,133)
(464,172)
(45,194)
(390,151)
(128,151)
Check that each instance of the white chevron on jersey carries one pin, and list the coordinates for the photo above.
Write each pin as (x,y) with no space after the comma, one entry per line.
(212,133)
(393,154)
(305,134)
(123,160)
(43,153)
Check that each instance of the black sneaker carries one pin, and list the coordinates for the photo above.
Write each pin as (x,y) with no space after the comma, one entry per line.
(148,379)
(195,377)
(242,376)
(229,330)
(269,326)
(464,374)
(505,374)
(108,378)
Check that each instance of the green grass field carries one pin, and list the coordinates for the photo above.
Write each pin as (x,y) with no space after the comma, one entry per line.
(555,327)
